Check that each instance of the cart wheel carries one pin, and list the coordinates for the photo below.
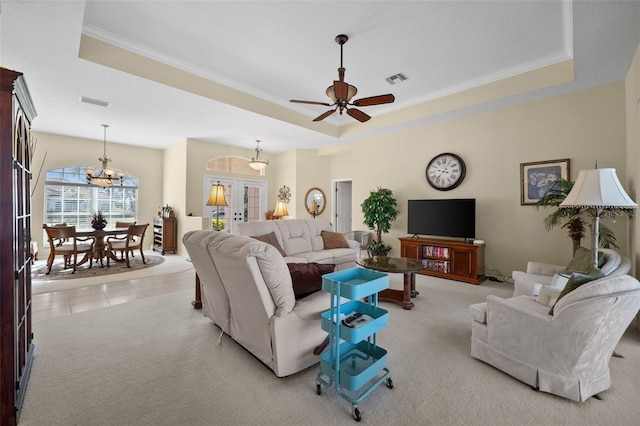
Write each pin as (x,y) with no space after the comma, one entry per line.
(356,413)
(318,389)
(389,383)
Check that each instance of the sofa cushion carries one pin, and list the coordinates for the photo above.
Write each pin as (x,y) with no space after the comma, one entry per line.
(307,277)
(270,238)
(333,240)
(576,280)
(296,237)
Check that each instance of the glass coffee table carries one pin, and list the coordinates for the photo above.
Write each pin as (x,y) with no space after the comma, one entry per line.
(403,265)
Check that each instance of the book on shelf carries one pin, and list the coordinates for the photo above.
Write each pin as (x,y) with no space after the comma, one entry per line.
(435,251)
(437,265)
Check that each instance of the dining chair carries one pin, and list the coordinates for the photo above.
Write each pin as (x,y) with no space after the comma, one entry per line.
(124,235)
(64,242)
(133,241)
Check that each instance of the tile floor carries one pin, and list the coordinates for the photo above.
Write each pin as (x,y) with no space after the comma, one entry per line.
(112,291)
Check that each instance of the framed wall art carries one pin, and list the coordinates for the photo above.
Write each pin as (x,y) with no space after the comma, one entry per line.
(536,178)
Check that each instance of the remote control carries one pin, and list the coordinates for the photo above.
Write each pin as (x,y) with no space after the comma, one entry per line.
(350,319)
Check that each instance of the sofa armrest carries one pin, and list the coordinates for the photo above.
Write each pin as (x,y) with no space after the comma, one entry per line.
(353,244)
(540,268)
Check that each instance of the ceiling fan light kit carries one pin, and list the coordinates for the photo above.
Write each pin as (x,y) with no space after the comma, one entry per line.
(342,92)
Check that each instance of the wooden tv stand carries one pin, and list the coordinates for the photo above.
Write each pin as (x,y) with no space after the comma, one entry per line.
(453,260)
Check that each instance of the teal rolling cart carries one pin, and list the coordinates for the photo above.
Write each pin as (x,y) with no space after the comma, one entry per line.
(353,361)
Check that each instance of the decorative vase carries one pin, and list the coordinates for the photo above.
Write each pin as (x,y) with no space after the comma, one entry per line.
(98,225)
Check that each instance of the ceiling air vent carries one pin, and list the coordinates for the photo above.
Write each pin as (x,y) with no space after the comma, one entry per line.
(92,101)
(395,79)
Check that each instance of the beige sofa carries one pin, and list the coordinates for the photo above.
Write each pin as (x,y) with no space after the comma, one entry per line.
(301,240)
(247,291)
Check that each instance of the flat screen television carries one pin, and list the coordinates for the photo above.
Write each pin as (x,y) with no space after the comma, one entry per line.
(442,218)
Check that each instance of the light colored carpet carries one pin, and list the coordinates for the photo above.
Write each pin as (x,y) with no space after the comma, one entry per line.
(158,362)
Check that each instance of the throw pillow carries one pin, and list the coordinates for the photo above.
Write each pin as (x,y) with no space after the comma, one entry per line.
(548,296)
(559,281)
(581,261)
(333,240)
(576,281)
(271,239)
(307,277)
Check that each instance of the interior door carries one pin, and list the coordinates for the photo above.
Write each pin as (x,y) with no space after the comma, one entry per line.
(247,201)
(342,206)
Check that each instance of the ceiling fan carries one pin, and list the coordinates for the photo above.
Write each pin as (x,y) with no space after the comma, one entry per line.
(341,94)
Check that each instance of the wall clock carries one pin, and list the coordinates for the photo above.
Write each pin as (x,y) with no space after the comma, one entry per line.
(445,171)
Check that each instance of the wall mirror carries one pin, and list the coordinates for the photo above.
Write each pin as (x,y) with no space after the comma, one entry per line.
(315,201)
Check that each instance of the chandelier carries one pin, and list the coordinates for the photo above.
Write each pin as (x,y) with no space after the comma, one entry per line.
(105,177)
(257,163)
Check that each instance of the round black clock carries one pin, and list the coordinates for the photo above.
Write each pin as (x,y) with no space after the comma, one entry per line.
(445,171)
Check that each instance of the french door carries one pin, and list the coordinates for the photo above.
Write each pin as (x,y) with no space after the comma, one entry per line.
(247,201)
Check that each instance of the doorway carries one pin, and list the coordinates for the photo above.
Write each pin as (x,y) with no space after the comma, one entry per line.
(247,201)
(341,202)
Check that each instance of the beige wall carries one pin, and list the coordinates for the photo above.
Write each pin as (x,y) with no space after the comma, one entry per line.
(586,127)
(61,151)
(632,182)
(197,155)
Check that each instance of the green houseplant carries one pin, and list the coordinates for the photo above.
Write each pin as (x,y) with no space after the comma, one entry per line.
(379,211)
(576,220)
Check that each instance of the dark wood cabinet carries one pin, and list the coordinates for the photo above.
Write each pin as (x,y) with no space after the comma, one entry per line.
(165,234)
(16,346)
(453,260)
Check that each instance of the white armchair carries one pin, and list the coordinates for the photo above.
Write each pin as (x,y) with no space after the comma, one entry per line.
(567,353)
(539,274)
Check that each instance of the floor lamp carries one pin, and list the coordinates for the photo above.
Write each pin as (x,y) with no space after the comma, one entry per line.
(597,190)
(217,199)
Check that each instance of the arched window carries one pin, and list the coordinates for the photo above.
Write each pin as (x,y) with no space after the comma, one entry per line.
(68,198)
(233,164)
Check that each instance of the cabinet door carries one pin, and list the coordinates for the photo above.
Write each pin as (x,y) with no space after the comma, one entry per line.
(411,250)
(464,262)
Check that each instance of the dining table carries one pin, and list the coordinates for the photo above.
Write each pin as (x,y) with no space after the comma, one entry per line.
(100,236)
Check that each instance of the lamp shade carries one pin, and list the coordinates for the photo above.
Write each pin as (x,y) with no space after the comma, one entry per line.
(258,164)
(598,188)
(351,92)
(281,209)
(217,197)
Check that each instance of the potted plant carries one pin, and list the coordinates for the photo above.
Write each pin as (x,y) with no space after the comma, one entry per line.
(99,221)
(576,220)
(379,211)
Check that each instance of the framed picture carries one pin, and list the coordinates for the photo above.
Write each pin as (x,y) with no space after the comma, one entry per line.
(536,178)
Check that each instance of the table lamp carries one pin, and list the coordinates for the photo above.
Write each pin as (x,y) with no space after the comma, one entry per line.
(597,190)
(281,209)
(217,199)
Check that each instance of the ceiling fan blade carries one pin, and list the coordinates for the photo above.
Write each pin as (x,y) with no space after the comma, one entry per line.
(375,100)
(325,115)
(309,102)
(358,115)
(341,89)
